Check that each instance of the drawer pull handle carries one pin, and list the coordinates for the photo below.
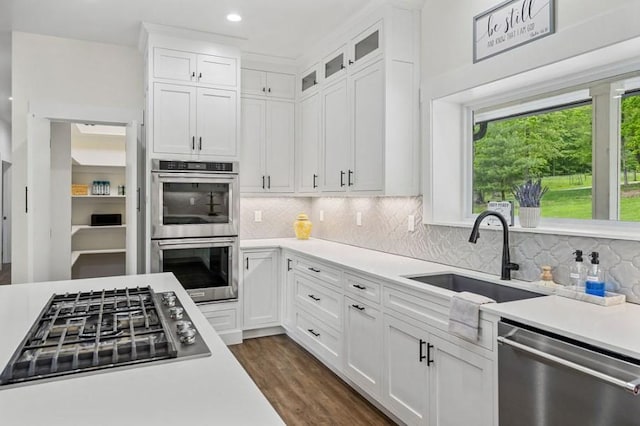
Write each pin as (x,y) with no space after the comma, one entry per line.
(310,330)
(314,269)
(358,307)
(359,287)
(317,299)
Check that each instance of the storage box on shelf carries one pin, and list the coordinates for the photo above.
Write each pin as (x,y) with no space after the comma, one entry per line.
(367,141)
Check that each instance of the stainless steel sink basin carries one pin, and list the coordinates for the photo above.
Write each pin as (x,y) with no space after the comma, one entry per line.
(459,283)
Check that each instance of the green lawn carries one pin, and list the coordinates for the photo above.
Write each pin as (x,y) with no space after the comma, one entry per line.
(570,197)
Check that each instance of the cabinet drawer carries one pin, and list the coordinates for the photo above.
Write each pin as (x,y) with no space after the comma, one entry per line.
(434,314)
(362,287)
(319,337)
(318,299)
(317,269)
(222,320)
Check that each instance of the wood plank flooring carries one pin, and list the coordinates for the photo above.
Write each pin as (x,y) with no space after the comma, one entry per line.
(300,388)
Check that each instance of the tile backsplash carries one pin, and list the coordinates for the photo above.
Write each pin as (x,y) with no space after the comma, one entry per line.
(384,227)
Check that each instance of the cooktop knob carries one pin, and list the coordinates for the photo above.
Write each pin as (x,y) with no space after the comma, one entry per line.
(176,312)
(188,336)
(169,300)
(182,325)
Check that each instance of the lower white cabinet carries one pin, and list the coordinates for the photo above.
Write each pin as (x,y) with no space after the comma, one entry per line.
(363,345)
(431,381)
(260,287)
(406,386)
(461,390)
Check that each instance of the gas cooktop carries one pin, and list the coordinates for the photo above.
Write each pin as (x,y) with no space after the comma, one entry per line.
(85,332)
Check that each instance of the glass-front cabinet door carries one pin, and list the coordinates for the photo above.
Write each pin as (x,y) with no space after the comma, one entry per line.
(366,43)
(309,80)
(335,63)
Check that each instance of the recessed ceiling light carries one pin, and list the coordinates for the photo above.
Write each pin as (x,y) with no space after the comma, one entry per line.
(234,17)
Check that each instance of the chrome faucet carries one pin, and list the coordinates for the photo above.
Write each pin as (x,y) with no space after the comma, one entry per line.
(507,266)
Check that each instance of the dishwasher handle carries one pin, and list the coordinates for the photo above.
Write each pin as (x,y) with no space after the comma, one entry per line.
(632,387)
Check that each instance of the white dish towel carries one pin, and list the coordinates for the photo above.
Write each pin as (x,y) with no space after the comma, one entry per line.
(464,316)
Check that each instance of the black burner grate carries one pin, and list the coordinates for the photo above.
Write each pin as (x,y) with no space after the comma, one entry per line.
(89,331)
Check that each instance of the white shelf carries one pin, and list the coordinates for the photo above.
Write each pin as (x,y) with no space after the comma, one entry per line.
(76,228)
(75,255)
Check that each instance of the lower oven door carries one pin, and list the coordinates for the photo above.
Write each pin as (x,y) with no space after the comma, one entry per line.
(206,267)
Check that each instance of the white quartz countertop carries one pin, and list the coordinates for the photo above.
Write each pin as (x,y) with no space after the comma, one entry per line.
(211,390)
(616,328)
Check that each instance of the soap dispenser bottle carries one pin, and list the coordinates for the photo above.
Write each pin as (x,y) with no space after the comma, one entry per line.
(595,282)
(578,273)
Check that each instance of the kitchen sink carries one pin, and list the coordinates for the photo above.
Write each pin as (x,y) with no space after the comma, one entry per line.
(459,283)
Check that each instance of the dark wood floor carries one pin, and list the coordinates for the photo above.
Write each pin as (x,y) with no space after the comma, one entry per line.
(5,274)
(300,388)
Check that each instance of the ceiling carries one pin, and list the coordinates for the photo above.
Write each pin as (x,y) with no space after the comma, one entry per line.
(275,27)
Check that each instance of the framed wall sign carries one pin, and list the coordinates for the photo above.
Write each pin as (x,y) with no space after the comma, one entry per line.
(511,24)
(505,208)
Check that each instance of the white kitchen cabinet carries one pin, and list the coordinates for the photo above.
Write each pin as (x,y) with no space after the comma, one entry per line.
(367,135)
(288,294)
(336,141)
(406,383)
(363,345)
(366,45)
(268,84)
(267,146)
(461,390)
(335,64)
(171,64)
(309,81)
(194,121)
(260,289)
(308,156)
(174,118)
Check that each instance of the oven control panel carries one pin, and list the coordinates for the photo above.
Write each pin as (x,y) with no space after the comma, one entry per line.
(196,166)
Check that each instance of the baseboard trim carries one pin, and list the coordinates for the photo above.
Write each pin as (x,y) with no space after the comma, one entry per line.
(263,332)
(231,337)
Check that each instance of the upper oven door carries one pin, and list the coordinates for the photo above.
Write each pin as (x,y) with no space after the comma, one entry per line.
(194,205)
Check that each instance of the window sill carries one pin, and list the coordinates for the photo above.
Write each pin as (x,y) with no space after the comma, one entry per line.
(617,231)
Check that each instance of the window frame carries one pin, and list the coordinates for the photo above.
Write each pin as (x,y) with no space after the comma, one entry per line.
(448,172)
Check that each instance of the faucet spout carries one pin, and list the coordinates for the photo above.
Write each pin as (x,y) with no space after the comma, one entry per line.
(507,266)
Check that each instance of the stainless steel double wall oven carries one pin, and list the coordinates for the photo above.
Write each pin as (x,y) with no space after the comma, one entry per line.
(195,212)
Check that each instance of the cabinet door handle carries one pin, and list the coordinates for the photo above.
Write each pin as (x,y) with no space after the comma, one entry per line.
(193,74)
(358,307)
(26,199)
(247,264)
(359,287)
(350,62)
(200,143)
(342,178)
(199,76)
(313,269)
(269,90)
(342,66)
(421,356)
(315,185)
(138,206)
(429,359)
(193,143)
(288,264)
(269,182)
(264,89)
(310,330)
(349,181)
(263,187)
(315,82)
(317,299)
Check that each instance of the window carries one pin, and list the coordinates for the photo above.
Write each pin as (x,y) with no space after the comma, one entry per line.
(554,139)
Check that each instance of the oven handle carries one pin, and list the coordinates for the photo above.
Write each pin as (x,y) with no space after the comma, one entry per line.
(191,241)
(632,387)
(208,176)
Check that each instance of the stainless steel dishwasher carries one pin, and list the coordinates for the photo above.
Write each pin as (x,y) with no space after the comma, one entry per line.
(550,380)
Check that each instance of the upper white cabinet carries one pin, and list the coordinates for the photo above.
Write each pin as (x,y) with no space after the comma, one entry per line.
(268,84)
(267,146)
(193,121)
(308,152)
(182,66)
(369,85)
(193,99)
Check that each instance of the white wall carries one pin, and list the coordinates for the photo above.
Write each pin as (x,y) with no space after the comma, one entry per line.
(447,40)
(63,71)
(5,141)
